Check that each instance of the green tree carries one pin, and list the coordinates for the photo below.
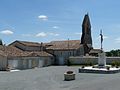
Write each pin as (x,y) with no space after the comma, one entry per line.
(113,53)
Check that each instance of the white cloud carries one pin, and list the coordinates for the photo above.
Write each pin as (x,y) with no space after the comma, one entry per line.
(55,27)
(44,34)
(78,33)
(7,32)
(117,40)
(41,34)
(54,34)
(43,17)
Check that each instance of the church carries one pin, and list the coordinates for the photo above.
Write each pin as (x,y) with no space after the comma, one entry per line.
(26,55)
(62,50)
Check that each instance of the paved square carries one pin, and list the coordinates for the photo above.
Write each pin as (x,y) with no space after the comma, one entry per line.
(52,78)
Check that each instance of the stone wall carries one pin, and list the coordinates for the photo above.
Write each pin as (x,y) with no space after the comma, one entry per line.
(94,60)
(62,56)
(3,62)
(29,62)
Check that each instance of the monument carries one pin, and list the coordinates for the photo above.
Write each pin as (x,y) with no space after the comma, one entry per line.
(101,67)
(102,56)
(101,60)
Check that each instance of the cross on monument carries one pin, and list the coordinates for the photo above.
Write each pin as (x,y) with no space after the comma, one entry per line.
(101,37)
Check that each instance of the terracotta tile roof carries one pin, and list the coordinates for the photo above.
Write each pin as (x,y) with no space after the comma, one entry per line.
(64,45)
(3,53)
(47,44)
(95,51)
(26,43)
(37,54)
(12,51)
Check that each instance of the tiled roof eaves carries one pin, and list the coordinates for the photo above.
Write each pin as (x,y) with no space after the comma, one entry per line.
(25,43)
(61,49)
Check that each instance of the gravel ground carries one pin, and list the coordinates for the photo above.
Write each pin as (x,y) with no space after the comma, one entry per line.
(52,78)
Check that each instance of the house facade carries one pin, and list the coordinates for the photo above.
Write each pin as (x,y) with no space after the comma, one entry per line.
(62,50)
(18,59)
(30,60)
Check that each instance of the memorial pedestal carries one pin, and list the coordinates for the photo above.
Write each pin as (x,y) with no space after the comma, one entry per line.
(102,60)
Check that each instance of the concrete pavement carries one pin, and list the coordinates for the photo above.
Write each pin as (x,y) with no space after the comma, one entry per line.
(52,78)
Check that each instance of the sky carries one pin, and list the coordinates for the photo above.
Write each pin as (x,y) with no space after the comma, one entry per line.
(51,20)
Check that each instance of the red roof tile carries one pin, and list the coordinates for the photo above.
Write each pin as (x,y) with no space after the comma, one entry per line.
(39,54)
(64,45)
(12,51)
(26,43)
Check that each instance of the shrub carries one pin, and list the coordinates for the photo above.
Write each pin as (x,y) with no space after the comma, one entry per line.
(88,63)
(83,67)
(115,63)
(117,66)
(93,66)
(108,68)
(118,63)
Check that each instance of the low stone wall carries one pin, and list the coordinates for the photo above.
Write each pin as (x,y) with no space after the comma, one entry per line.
(94,60)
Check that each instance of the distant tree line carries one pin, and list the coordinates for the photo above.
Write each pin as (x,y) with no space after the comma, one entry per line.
(113,53)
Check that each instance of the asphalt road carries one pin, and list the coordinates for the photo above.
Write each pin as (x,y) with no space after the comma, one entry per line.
(52,78)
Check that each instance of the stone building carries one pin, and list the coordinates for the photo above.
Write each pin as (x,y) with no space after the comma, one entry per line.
(61,50)
(28,46)
(30,60)
(15,58)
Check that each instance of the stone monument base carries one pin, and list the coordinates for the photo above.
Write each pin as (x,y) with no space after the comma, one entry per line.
(99,70)
(102,59)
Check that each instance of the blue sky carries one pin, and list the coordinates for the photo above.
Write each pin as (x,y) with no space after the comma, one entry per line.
(47,20)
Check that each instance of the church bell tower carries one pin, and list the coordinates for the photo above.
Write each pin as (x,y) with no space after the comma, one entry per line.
(86,38)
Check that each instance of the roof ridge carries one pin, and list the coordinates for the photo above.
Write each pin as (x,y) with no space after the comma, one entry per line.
(65,41)
(28,41)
